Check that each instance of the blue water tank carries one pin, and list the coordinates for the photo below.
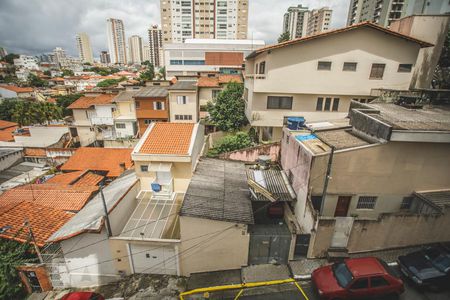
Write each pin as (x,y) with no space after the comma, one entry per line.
(295,123)
(156,187)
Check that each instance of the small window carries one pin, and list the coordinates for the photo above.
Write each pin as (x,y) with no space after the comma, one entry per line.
(319,104)
(378,281)
(366,202)
(177,117)
(137,104)
(256,68)
(406,202)
(359,284)
(377,71)
(182,99)
(327,104)
(158,105)
(349,66)
(324,65)
(262,67)
(335,104)
(279,102)
(144,168)
(404,68)
(120,125)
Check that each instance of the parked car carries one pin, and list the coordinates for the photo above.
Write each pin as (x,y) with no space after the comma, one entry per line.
(357,278)
(82,296)
(428,267)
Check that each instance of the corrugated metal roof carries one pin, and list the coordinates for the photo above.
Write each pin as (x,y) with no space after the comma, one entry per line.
(152,92)
(439,199)
(272,180)
(219,191)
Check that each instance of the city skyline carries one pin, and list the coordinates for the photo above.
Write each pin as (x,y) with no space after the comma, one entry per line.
(138,16)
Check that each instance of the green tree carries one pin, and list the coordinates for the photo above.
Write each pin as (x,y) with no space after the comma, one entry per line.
(146,63)
(48,73)
(284,37)
(67,72)
(63,101)
(35,81)
(237,141)
(148,74)
(227,112)
(441,78)
(7,107)
(110,82)
(28,113)
(9,58)
(49,112)
(23,113)
(162,71)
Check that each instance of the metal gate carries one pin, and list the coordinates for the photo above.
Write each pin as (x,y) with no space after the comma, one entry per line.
(269,244)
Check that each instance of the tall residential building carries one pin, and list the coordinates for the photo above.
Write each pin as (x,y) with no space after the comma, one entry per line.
(60,57)
(295,21)
(84,47)
(146,53)
(116,41)
(155,46)
(319,20)
(105,58)
(383,12)
(135,49)
(204,19)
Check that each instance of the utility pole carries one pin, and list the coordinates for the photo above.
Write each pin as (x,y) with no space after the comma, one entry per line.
(108,225)
(36,247)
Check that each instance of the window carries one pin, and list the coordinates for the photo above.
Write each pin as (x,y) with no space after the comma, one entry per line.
(404,68)
(406,202)
(324,65)
(158,105)
(349,66)
(137,104)
(366,202)
(359,284)
(278,102)
(378,281)
(377,71)
(176,62)
(215,93)
(319,104)
(183,117)
(193,62)
(327,104)
(335,104)
(144,168)
(120,125)
(182,99)
(256,68)
(262,67)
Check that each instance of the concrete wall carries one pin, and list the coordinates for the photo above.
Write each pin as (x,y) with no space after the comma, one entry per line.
(190,108)
(251,154)
(222,245)
(7,161)
(128,131)
(131,143)
(86,135)
(205,94)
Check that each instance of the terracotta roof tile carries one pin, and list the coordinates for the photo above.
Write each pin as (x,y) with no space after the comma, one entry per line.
(99,159)
(6,131)
(43,220)
(64,178)
(40,152)
(230,78)
(6,124)
(86,102)
(208,82)
(77,178)
(17,89)
(168,138)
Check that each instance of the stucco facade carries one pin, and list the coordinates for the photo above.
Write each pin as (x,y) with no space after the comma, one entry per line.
(184,106)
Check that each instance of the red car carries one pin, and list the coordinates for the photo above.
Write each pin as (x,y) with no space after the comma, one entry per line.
(82,296)
(357,278)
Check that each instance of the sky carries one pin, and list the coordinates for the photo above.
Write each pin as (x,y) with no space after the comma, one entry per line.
(38,26)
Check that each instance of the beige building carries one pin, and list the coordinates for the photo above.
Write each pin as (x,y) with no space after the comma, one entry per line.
(183,102)
(135,55)
(379,165)
(316,77)
(155,55)
(116,41)
(319,20)
(205,19)
(84,47)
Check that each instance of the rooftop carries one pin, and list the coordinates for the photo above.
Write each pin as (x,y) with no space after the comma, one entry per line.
(437,199)
(7,124)
(125,96)
(86,102)
(20,174)
(218,191)
(272,180)
(152,92)
(77,178)
(184,85)
(106,160)
(167,138)
(6,130)
(17,89)
(216,81)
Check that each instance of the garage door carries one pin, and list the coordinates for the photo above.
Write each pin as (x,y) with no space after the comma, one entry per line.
(153,260)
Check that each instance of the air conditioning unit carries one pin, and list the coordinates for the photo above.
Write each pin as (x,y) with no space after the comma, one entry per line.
(255,116)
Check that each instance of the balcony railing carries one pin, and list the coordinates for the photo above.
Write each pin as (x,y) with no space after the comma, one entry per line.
(102,121)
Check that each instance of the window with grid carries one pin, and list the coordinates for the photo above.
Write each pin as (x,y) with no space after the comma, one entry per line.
(278,102)
(335,104)
(120,125)
(349,66)
(324,65)
(327,104)
(137,104)
(144,168)
(366,202)
(377,71)
(319,104)
(406,202)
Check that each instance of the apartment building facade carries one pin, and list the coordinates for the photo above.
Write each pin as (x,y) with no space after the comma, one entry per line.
(183,101)
(155,54)
(295,21)
(207,19)
(125,122)
(316,77)
(104,57)
(151,105)
(84,47)
(116,41)
(135,55)
(319,20)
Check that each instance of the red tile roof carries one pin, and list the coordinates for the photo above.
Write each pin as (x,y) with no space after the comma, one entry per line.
(6,124)
(77,178)
(99,159)
(17,89)
(208,82)
(43,220)
(168,138)
(38,152)
(6,130)
(230,78)
(86,102)
(340,30)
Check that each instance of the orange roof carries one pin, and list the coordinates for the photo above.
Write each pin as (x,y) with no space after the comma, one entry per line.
(230,78)
(340,30)
(168,138)
(62,197)
(77,178)
(6,131)
(51,100)
(86,102)
(43,220)
(35,152)
(208,82)
(6,124)
(99,159)
(17,89)
(57,79)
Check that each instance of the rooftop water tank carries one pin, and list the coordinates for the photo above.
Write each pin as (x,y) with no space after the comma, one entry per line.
(295,123)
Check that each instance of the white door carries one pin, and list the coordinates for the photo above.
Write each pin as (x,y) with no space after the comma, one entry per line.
(153,260)
(342,229)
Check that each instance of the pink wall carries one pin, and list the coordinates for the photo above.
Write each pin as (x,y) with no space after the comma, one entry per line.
(251,154)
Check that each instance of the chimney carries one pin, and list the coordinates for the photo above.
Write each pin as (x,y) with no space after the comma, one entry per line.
(122,167)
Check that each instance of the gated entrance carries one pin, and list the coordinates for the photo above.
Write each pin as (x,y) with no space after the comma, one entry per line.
(269,243)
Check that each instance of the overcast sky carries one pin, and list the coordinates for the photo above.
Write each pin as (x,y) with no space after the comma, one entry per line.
(38,26)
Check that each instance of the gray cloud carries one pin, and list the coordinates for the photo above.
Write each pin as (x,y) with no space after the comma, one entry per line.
(38,26)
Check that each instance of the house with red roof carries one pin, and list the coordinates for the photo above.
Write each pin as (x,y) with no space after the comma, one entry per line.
(6,130)
(13,91)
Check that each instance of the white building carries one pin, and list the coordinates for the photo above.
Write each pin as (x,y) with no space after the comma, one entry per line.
(84,47)
(60,56)
(155,46)
(135,49)
(221,19)
(116,41)
(26,62)
(203,55)
(295,21)
(146,53)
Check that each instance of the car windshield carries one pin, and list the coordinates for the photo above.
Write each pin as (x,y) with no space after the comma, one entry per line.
(342,274)
(440,260)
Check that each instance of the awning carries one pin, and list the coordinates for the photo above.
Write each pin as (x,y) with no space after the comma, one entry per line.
(160,167)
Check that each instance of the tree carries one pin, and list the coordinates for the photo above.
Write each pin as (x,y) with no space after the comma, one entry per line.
(228,110)
(234,142)
(9,58)
(146,63)
(28,113)
(110,82)
(48,73)
(49,112)
(63,101)
(7,107)
(67,72)
(148,74)
(162,71)
(35,81)
(441,78)
(284,37)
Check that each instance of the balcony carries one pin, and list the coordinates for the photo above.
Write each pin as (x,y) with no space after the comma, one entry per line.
(102,121)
